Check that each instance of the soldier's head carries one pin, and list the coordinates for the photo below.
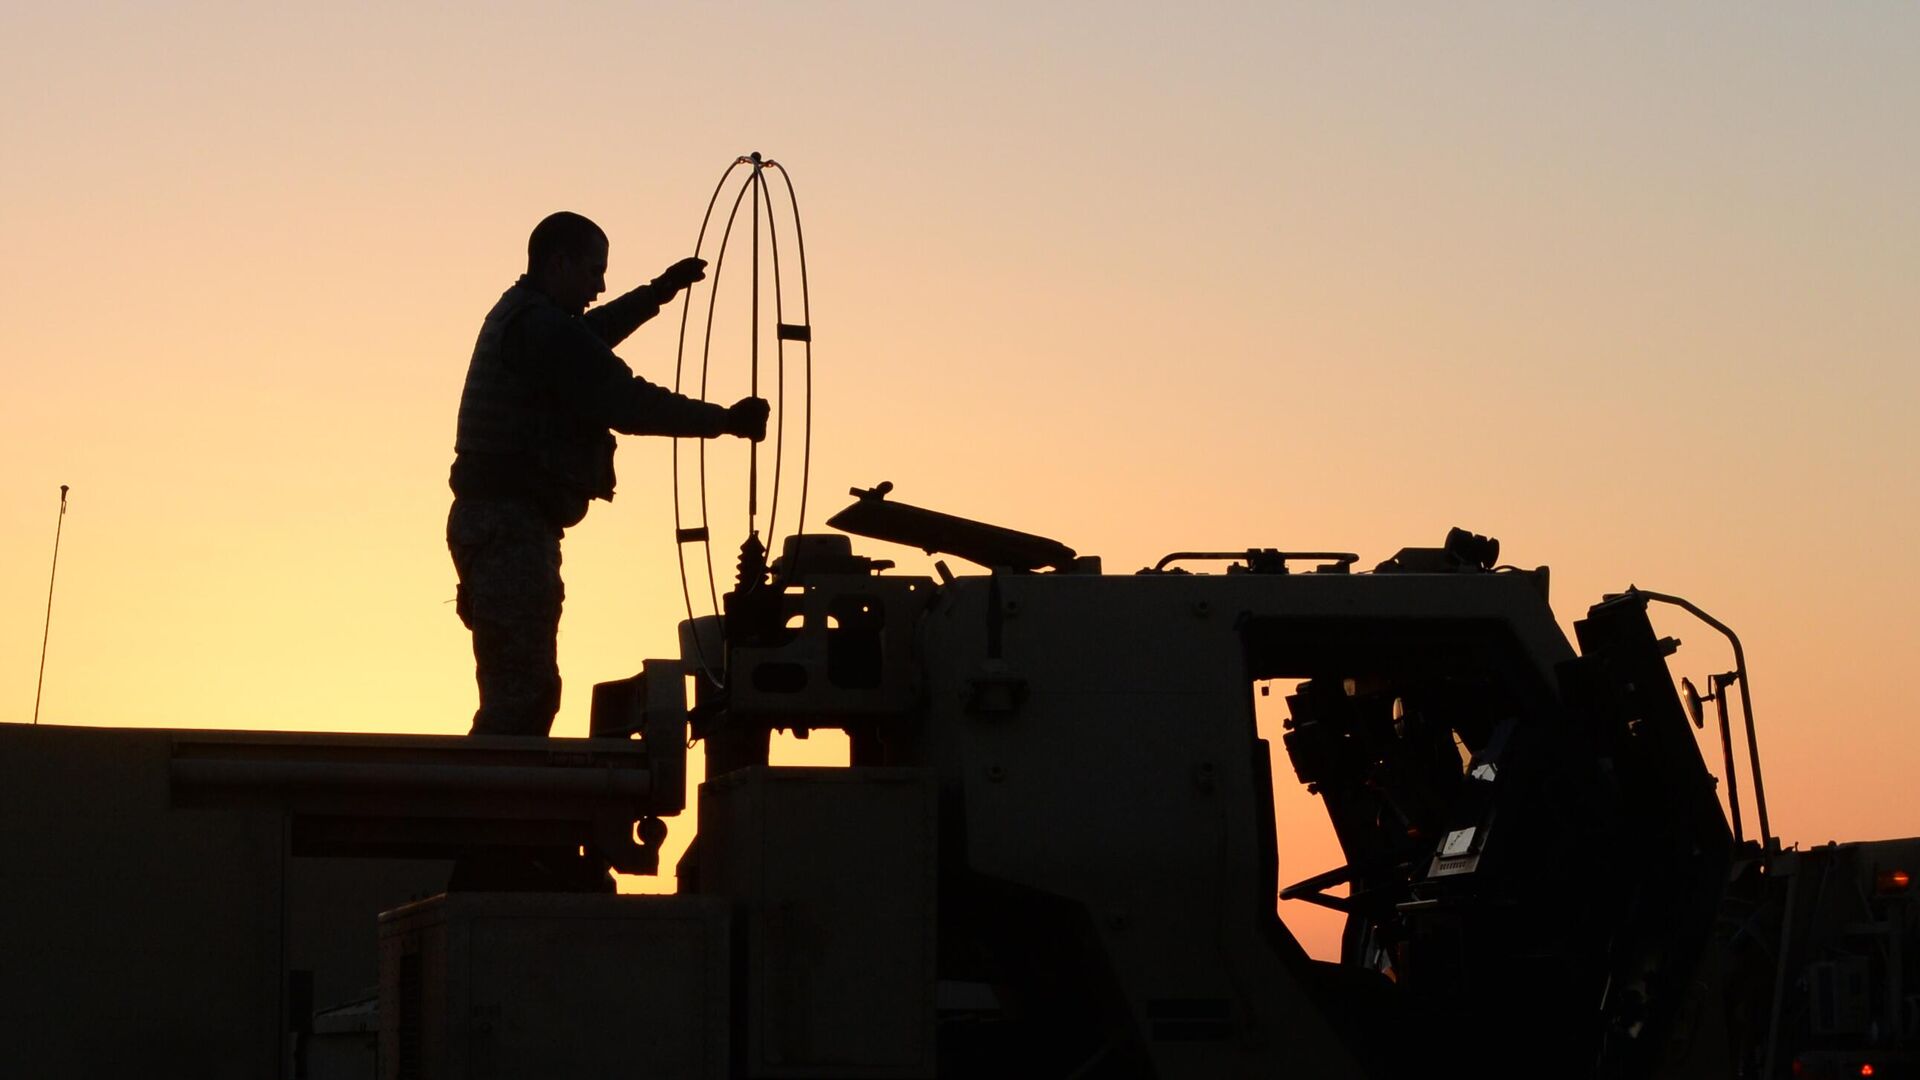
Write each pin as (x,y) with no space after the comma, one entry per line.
(567,259)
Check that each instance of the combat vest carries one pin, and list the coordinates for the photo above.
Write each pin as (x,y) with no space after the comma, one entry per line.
(531,444)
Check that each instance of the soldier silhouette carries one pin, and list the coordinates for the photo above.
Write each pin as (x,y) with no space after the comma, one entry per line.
(544,395)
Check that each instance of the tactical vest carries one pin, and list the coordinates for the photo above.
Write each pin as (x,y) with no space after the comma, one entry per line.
(507,417)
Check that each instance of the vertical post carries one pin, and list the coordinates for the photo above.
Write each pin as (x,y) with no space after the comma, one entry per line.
(753,448)
(47,626)
(1720,683)
(1753,750)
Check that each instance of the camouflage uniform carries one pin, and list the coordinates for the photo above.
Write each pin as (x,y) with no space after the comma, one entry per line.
(544,393)
(507,554)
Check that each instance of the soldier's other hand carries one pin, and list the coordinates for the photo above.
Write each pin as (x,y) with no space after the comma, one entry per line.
(682,274)
(747,418)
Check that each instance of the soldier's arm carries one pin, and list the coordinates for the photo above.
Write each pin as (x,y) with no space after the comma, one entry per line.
(614,320)
(569,360)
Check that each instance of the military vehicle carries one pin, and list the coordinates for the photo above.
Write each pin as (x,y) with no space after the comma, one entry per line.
(1051,853)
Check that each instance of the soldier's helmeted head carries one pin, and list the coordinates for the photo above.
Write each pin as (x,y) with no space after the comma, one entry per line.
(567,259)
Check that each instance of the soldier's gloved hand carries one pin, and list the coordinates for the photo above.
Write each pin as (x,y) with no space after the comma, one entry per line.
(679,276)
(747,418)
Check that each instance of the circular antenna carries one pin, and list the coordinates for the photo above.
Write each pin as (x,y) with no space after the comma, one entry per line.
(758,322)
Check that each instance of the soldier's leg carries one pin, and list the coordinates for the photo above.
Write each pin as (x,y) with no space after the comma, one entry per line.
(508,558)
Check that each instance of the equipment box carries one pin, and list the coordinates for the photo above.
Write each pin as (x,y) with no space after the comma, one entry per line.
(834,872)
(479,985)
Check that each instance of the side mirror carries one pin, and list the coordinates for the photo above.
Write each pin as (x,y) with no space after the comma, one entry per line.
(1691,697)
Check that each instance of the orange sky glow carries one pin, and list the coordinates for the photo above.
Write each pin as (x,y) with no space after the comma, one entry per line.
(1629,288)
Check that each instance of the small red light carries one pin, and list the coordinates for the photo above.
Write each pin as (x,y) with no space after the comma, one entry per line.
(1866,1068)
(1892,881)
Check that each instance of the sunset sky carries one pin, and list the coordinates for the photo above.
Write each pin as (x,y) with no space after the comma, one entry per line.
(1629,287)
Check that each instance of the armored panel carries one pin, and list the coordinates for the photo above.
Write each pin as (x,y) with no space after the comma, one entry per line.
(479,985)
(136,940)
(834,872)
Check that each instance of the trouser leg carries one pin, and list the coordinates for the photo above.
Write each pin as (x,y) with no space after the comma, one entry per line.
(508,559)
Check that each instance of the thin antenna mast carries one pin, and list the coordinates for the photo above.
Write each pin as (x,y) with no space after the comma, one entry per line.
(48,625)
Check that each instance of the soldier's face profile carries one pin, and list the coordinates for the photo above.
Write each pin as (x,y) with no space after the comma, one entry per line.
(580,278)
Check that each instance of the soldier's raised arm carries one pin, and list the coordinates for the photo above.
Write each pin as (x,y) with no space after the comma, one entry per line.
(621,316)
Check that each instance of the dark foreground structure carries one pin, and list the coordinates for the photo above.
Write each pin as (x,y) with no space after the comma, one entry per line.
(1052,853)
